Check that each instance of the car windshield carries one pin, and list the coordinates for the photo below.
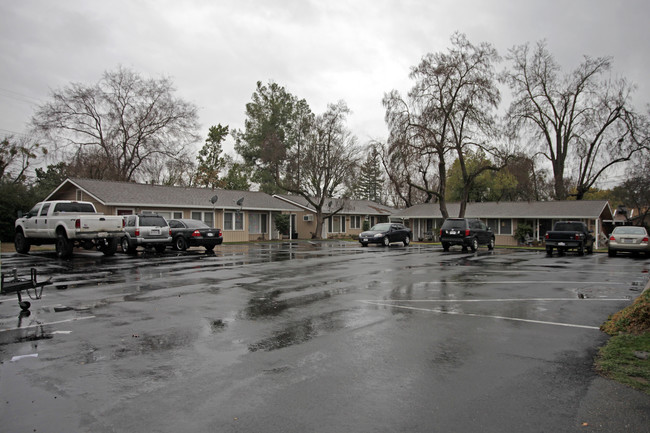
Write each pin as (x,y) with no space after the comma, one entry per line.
(629,231)
(568,227)
(454,224)
(152,221)
(195,224)
(383,227)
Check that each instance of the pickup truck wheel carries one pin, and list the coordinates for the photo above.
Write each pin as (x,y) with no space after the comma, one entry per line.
(180,243)
(581,250)
(21,243)
(63,247)
(474,245)
(445,247)
(364,244)
(126,246)
(491,244)
(110,248)
(407,241)
(549,251)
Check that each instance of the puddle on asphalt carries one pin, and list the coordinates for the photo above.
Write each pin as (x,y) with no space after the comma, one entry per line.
(301,331)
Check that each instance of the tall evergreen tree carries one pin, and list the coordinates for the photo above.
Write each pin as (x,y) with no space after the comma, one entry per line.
(210,160)
(371,179)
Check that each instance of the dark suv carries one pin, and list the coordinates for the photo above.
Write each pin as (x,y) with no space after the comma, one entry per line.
(466,232)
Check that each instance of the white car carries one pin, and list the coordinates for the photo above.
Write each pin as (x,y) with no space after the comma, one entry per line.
(631,239)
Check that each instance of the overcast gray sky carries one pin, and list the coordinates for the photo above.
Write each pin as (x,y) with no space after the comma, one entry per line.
(322,51)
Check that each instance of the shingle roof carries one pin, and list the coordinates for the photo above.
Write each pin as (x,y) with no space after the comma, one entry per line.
(568,209)
(351,207)
(113,193)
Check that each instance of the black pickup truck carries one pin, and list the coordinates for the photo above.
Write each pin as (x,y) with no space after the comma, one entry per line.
(570,235)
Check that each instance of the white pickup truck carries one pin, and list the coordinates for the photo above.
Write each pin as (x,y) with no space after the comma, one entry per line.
(68,224)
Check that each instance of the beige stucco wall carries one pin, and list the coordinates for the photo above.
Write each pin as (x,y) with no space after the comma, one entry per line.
(305,229)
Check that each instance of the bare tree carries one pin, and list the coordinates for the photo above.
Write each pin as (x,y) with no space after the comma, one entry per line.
(121,122)
(327,157)
(448,111)
(16,156)
(582,120)
(411,173)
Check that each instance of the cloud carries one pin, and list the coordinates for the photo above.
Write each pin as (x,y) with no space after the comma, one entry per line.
(215,52)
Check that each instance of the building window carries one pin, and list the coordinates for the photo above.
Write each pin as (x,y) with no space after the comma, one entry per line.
(257,223)
(79,195)
(355,222)
(336,224)
(233,221)
(166,215)
(206,217)
(505,227)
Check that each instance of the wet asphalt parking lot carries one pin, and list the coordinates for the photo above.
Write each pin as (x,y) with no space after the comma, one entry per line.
(317,337)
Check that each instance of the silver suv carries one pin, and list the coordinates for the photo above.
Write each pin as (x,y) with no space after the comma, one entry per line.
(146,230)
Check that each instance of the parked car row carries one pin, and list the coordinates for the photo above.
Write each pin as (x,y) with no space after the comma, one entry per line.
(466,232)
(153,231)
(470,233)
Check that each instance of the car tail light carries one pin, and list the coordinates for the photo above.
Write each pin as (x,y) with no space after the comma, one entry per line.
(645,239)
(77,224)
(578,236)
(440,232)
(170,231)
(196,233)
(137,232)
(612,238)
(467,232)
(219,232)
(546,236)
(123,222)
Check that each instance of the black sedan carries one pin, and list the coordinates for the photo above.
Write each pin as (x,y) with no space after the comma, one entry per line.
(385,234)
(190,233)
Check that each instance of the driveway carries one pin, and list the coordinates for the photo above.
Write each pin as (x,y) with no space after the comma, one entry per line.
(317,337)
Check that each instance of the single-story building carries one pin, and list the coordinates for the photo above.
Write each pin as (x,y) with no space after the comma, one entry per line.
(241,215)
(503,217)
(346,223)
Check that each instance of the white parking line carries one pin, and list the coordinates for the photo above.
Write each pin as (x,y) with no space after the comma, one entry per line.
(485,316)
(48,323)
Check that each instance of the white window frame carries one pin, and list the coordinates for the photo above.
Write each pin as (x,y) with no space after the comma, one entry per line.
(202,216)
(501,225)
(355,221)
(259,229)
(233,227)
